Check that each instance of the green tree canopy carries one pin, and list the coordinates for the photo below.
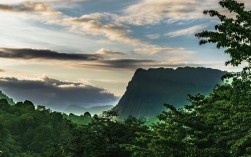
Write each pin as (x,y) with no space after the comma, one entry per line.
(233,32)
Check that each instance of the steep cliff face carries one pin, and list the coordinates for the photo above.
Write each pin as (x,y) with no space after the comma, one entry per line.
(150,89)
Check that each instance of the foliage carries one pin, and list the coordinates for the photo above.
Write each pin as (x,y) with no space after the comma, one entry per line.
(39,132)
(217,125)
(105,137)
(80,120)
(233,33)
(26,130)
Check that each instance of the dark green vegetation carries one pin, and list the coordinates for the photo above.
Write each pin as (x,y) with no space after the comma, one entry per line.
(80,120)
(26,131)
(150,89)
(3,96)
(210,126)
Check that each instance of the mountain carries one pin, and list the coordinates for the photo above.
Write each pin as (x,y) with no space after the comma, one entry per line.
(150,89)
(9,100)
(81,110)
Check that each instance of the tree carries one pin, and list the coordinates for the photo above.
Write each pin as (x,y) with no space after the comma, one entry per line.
(87,115)
(233,33)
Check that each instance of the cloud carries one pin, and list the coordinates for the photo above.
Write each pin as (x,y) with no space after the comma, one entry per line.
(109,53)
(187,31)
(56,94)
(152,12)
(95,24)
(34,7)
(133,64)
(170,52)
(125,63)
(153,36)
(103,24)
(47,1)
(103,59)
(45,54)
(113,26)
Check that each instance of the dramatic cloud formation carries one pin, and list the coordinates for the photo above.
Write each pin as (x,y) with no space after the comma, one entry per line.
(102,24)
(103,58)
(187,31)
(88,24)
(155,11)
(112,26)
(152,11)
(45,54)
(56,94)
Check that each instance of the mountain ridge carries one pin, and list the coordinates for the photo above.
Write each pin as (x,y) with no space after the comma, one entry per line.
(150,89)
(78,110)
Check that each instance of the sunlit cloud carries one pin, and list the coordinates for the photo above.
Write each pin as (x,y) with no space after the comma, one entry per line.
(108,25)
(47,1)
(155,50)
(152,12)
(187,31)
(32,7)
(106,52)
(91,24)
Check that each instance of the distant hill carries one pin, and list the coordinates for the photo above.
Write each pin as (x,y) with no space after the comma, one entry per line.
(3,96)
(81,110)
(150,89)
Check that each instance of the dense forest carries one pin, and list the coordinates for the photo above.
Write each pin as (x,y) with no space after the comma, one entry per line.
(214,125)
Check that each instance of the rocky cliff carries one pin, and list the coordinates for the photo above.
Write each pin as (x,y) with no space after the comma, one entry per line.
(150,89)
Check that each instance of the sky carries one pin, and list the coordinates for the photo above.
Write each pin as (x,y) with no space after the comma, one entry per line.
(84,52)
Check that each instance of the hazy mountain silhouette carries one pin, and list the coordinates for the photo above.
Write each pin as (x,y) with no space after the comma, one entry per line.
(150,89)
(81,110)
